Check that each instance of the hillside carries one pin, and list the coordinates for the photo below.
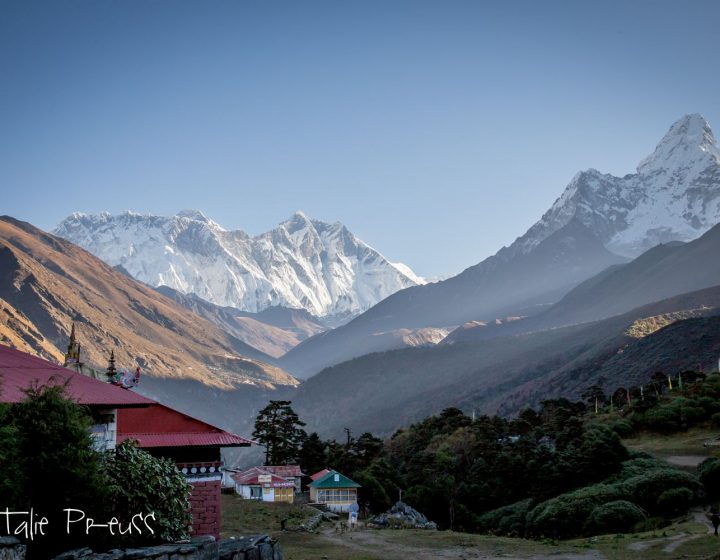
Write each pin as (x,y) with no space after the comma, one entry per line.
(381,392)
(663,271)
(54,283)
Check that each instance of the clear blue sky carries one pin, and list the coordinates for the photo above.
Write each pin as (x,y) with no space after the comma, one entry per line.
(436,131)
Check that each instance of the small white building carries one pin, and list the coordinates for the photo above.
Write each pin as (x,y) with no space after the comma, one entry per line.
(259,484)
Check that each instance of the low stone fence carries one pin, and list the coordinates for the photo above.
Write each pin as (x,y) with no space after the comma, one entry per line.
(201,548)
(11,549)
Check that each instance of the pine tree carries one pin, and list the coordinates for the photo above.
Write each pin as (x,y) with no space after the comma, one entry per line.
(312,454)
(279,429)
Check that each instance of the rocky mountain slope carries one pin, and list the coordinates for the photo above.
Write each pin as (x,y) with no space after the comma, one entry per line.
(303,263)
(17,331)
(48,283)
(675,195)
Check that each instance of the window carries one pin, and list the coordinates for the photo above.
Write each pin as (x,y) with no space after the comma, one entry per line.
(337,495)
(255,492)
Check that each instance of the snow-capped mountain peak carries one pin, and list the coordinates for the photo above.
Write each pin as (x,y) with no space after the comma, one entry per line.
(675,195)
(302,263)
(688,140)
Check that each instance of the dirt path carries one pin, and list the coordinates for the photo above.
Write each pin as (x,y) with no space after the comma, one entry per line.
(672,543)
(382,544)
(400,545)
(685,460)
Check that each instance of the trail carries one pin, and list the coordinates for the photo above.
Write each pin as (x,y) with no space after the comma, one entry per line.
(381,544)
(672,543)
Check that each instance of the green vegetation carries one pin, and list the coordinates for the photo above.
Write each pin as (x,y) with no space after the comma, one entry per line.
(279,430)
(48,438)
(50,463)
(559,472)
(664,404)
(139,482)
(687,538)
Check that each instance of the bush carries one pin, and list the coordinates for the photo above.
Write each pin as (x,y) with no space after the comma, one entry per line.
(141,483)
(675,501)
(614,517)
(715,418)
(663,419)
(622,428)
(710,405)
(507,520)
(565,516)
(709,474)
(646,489)
(58,464)
(636,467)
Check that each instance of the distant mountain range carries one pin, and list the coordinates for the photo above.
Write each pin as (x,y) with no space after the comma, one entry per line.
(600,220)
(47,283)
(302,264)
(618,279)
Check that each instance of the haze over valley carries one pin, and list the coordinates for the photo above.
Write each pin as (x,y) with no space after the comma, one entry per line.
(234,316)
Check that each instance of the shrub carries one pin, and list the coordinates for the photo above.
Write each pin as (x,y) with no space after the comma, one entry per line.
(613,517)
(141,483)
(663,419)
(675,501)
(645,489)
(710,405)
(566,515)
(507,520)
(715,418)
(636,467)
(709,474)
(622,428)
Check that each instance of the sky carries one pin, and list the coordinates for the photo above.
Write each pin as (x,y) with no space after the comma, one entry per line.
(436,131)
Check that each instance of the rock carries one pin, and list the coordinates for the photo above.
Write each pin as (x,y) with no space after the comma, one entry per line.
(402,516)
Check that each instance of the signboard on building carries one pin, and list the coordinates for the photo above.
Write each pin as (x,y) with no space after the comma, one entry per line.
(264,478)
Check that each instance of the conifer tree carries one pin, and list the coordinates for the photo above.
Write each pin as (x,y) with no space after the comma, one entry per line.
(279,429)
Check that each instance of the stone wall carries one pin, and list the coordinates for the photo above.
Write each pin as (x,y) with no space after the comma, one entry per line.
(201,548)
(11,549)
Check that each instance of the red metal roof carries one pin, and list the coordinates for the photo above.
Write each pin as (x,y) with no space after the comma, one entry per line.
(19,371)
(285,471)
(319,474)
(250,477)
(161,426)
(224,439)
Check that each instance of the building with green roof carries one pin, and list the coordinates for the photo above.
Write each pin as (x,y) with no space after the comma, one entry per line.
(335,490)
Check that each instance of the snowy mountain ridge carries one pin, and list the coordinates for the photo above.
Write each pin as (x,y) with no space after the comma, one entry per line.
(302,263)
(675,195)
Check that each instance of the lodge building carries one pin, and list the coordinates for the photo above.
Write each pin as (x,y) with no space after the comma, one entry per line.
(119,414)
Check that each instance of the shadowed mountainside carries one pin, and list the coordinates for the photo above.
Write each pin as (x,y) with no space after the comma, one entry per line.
(384,391)
(663,271)
(274,330)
